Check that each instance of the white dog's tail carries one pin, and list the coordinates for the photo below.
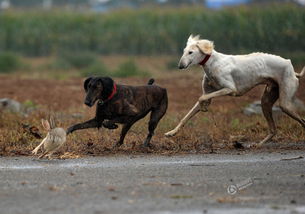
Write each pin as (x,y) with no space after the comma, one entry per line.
(299,75)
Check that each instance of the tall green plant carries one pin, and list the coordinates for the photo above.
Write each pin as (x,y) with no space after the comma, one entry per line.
(9,62)
(274,28)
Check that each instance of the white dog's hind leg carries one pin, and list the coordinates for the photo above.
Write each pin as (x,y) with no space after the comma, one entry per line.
(190,114)
(271,94)
(288,108)
(288,88)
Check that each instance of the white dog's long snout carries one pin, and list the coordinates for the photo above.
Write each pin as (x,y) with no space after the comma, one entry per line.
(183,64)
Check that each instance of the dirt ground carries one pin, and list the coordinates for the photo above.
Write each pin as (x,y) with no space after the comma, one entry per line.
(221,129)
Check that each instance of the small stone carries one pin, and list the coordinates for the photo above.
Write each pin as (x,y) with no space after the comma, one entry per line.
(10,105)
(256,108)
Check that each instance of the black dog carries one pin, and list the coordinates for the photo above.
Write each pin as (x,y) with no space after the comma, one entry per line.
(123,104)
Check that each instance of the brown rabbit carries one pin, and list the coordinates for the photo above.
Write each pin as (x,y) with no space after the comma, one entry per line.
(55,138)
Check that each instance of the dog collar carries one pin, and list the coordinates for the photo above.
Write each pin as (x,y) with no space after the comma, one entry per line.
(206,58)
(113,92)
(101,102)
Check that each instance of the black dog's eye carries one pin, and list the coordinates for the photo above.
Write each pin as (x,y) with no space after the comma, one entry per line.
(190,52)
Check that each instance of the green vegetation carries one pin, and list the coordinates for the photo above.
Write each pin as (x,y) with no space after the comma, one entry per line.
(77,60)
(9,62)
(76,40)
(129,69)
(29,104)
(125,69)
(274,28)
(235,123)
(172,64)
(95,69)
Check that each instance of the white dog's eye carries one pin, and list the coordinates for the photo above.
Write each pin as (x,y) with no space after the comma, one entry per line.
(190,52)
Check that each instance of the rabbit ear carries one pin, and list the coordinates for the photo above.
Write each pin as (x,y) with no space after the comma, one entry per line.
(52,122)
(45,124)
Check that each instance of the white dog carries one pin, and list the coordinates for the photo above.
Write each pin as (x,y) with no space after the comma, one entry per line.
(235,75)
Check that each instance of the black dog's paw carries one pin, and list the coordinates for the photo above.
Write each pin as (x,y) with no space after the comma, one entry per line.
(117,145)
(110,125)
(69,130)
(148,146)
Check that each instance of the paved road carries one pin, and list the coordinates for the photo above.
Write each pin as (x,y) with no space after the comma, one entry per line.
(261,183)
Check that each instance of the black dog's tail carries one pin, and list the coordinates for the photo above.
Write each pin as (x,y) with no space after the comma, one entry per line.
(151,81)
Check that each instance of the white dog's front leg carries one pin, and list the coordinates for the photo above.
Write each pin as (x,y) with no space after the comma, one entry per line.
(192,112)
(197,107)
(221,92)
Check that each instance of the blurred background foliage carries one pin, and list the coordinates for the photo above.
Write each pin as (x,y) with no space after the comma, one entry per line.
(76,38)
(274,28)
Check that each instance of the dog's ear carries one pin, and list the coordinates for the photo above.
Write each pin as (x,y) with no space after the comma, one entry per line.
(192,39)
(86,83)
(196,38)
(205,46)
(107,83)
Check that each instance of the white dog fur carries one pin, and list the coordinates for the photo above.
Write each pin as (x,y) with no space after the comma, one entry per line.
(234,75)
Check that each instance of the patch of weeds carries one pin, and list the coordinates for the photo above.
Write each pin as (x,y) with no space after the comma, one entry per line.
(96,69)
(205,119)
(129,69)
(29,104)
(235,123)
(9,62)
(167,124)
(79,60)
(181,196)
(59,64)
(60,75)
(191,123)
(24,66)
(172,64)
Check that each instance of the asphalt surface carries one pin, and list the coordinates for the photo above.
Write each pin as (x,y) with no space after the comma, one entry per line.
(258,183)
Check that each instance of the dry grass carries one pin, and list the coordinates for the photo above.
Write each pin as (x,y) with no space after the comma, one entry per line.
(214,131)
